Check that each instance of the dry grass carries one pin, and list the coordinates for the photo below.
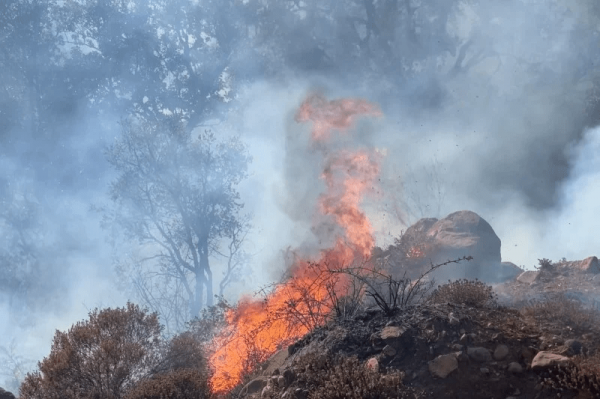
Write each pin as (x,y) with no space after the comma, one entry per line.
(178,384)
(472,293)
(557,313)
(583,376)
(346,377)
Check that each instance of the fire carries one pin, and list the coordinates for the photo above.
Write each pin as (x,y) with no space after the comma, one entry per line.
(257,329)
(337,114)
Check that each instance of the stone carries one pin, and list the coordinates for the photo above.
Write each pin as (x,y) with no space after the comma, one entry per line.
(544,360)
(373,364)
(479,354)
(589,265)
(443,365)
(515,368)
(6,394)
(389,335)
(389,351)
(528,277)
(459,234)
(501,352)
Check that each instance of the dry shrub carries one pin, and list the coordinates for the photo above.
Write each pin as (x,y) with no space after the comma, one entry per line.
(98,358)
(346,377)
(119,353)
(178,384)
(582,375)
(559,312)
(472,293)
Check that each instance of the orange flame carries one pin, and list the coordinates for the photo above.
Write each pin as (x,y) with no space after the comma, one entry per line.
(257,329)
(337,114)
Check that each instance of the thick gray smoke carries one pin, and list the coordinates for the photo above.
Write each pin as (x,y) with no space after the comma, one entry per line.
(487,106)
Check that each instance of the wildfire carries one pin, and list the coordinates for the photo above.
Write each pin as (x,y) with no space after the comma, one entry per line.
(257,329)
(337,114)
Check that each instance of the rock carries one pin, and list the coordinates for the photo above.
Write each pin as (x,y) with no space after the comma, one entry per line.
(389,335)
(544,360)
(528,277)
(515,368)
(255,386)
(573,347)
(6,394)
(373,364)
(459,234)
(479,354)
(589,265)
(443,365)
(389,351)
(501,352)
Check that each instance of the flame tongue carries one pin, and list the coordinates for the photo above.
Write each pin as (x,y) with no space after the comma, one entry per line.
(257,329)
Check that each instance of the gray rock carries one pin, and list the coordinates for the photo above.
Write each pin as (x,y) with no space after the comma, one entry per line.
(479,354)
(443,365)
(515,368)
(389,351)
(501,352)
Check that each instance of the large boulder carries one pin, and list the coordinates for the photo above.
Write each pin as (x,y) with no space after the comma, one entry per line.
(459,234)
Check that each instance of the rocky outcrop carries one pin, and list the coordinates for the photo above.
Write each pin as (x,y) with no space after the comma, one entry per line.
(459,234)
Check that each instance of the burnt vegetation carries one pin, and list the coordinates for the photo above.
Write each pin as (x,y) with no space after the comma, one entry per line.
(366,343)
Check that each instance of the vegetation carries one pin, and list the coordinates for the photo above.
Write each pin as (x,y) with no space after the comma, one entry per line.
(117,353)
(175,196)
(467,292)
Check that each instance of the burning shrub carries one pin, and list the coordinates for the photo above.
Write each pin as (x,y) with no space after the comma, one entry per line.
(472,293)
(557,311)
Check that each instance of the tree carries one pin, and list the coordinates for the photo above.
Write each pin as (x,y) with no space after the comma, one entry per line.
(176,196)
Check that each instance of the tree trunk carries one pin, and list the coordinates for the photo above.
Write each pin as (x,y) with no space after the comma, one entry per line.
(197,302)
(205,270)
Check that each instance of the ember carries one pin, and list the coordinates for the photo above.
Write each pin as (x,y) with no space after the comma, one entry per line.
(257,329)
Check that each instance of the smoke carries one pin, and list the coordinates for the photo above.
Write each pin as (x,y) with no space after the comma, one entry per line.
(486,111)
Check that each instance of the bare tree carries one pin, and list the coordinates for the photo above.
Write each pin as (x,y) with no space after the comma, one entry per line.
(175,196)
